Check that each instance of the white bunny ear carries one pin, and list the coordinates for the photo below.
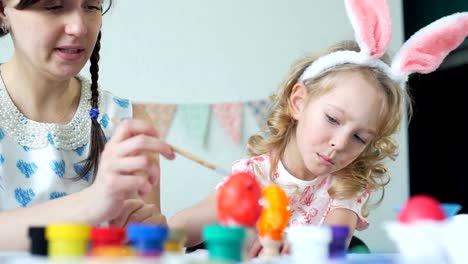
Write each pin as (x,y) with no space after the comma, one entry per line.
(428,47)
(372,25)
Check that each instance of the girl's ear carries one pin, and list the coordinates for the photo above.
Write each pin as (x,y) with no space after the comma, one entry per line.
(298,99)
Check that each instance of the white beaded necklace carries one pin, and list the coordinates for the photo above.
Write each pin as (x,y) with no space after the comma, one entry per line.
(35,135)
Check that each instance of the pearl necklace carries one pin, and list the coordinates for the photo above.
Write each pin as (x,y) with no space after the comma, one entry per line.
(36,135)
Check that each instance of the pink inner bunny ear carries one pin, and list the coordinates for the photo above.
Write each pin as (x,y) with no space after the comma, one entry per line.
(427,48)
(372,24)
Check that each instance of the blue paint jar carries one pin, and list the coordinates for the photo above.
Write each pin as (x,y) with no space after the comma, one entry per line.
(146,239)
(338,245)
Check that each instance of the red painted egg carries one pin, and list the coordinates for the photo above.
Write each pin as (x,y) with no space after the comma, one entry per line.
(238,200)
(421,207)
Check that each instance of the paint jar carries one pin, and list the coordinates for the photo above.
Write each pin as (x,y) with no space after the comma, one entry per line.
(224,243)
(109,242)
(38,244)
(176,241)
(146,239)
(68,239)
(309,243)
(338,247)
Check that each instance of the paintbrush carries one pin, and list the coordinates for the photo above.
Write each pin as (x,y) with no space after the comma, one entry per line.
(192,157)
(200,161)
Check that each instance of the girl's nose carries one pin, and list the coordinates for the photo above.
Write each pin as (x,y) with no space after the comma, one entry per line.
(339,141)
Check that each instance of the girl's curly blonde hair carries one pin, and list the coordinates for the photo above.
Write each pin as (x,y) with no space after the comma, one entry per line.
(368,170)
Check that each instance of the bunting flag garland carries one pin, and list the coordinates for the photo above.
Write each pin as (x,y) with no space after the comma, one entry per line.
(196,117)
(260,109)
(230,117)
(162,115)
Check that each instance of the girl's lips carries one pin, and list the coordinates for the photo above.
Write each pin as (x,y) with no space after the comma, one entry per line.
(326,160)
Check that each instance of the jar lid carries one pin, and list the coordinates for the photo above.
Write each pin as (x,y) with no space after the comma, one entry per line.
(113,234)
(147,232)
(36,232)
(340,231)
(309,234)
(68,232)
(177,234)
(221,232)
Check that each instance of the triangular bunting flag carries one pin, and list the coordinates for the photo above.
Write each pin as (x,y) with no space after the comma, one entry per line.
(195,118)
(230,117)
(260,109)
(161,114)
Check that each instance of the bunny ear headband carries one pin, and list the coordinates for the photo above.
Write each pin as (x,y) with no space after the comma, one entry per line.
(422,53)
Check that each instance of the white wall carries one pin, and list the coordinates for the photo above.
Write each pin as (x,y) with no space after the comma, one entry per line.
(212,51)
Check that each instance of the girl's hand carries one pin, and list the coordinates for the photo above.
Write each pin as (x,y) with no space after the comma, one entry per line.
(137,211)
(125,168)
(256,248)
(285,248)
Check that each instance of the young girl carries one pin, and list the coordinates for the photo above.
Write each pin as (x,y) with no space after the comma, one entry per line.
(55,164)
(331,123)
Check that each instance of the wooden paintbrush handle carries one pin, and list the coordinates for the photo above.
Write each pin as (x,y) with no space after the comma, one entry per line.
(184,153)
(193,158)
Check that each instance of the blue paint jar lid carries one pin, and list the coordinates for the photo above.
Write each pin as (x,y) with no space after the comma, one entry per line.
(339,231)
(147,232)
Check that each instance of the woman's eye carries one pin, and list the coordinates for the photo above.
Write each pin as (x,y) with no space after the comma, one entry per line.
(93,7)
(52,4)
(55,7)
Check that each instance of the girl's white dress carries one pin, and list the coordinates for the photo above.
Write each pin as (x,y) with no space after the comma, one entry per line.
(309,200)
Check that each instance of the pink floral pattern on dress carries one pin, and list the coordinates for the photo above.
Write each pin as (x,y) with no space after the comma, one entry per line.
(276,175)
(259,159)
(309,200)
(307,197)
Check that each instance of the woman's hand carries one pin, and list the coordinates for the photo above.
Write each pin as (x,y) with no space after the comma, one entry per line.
(137,211)
(126,168)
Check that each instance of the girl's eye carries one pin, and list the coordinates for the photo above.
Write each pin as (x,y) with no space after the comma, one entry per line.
(332,119)
(360,139)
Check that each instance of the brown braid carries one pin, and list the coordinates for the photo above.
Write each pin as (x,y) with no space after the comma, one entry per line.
(98,138)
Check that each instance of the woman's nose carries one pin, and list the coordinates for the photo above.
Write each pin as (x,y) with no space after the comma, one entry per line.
(76,25)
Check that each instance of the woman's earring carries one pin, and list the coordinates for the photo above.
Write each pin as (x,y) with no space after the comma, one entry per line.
(4,28)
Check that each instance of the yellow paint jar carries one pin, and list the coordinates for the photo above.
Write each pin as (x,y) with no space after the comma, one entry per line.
(68,239)
(176,241)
